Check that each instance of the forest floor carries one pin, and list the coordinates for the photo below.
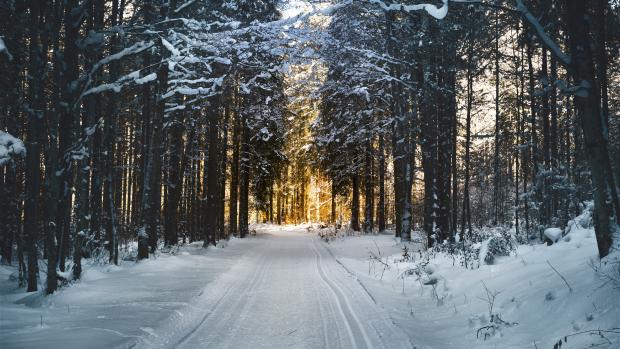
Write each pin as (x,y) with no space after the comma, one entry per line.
(286,288)
(441,304)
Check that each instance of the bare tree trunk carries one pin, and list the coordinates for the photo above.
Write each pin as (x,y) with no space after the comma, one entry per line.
(149,119)
(97,159)
(593,124)
(381,204)
(175,182)
(355,203)
(368,189)
(244,182)
(399,131)
(151,196)
(234,172)
(466,215)
(213,172)
(223,162)
(496,160)
(109,137)
(33,142)
(332,216)
(545,111)
(69,114)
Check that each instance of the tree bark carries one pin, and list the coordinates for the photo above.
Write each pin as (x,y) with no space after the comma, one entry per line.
(175,183)
(213,171)
(368,189)
(34,140)
(587,101)
(234,172)
(244,182)
(381,203)
(355,203)
(466,215)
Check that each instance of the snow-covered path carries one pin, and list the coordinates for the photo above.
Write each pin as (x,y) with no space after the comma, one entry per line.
(284,288)
(289,292)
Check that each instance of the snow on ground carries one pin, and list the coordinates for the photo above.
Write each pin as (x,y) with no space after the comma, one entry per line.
(112,305)
(289,292)
(287,288)
(448,304)
(281,288)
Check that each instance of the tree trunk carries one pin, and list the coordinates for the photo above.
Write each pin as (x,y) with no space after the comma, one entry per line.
(355,203)
(535,156)
(368,190)
(399,130)
(588,100)
(244,182)
(175,183)
(223,162)
(332,217)
(381,204)
(234,173)
(33,143)
(109,138)
(496,160)
(213,172)
(151,195)
(69,113)
(466,215)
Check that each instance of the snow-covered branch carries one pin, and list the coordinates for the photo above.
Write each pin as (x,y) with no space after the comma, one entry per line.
(5,50)
(120,83)
(133,49)
(544,37)
(522,10)
(437,12)
(184,5)
(10,147)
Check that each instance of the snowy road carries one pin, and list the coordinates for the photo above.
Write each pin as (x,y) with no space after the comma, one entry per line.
(288,292)
(285,289)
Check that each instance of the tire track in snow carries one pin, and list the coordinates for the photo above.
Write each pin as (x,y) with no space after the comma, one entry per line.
(340,298)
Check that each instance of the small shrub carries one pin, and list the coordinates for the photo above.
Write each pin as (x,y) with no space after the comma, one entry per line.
(501,244)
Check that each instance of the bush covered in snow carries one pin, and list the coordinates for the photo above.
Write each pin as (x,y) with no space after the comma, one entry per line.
(482,246)
(501,244)
(10,147)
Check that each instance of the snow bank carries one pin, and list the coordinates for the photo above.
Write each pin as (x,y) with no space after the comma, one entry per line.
(440,304)
(553,234)
(112,305)
(10,147)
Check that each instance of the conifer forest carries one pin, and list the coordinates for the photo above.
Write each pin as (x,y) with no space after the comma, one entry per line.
(309,174)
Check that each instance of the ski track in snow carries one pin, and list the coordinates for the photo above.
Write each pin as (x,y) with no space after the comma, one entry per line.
(289,292)
(384,331)
(285,288)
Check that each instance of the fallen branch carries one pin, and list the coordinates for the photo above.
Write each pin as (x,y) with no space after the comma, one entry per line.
(570,289)
(600,333)
(486,334)
(615,330)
